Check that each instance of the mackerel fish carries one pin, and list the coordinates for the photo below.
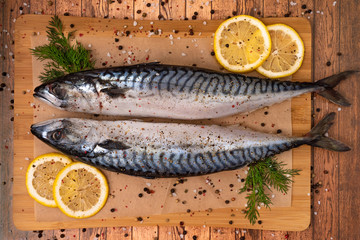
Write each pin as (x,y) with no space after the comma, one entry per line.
(178,92)
(154,150)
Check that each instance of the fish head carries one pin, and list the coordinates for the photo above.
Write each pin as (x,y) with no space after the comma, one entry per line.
(72,136)
(69,92)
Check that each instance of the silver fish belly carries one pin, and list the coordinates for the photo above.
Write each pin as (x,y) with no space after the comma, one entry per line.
(165,91)
(169,149)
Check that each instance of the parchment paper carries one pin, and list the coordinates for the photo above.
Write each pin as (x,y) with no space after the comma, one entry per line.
(189,196)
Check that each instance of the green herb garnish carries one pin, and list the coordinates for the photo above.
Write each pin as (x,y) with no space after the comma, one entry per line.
(263,175)
(63,56)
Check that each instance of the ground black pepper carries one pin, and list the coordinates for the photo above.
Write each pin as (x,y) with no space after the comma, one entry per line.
(328,63)
(66,14)
(193,17)
(278,131)
(97,235)
(4,74)
(234,13)
(1,89)
(227,201)
(181,223)
(196,13)
(242,238)
(62,230)
(83,230)
(242,180)
(120,47)
(212,53)
(339,54)
(259,222)
(127,33)
(266,113)
(303,6)
(263,124)
(144,14)
(186,19)
(188,211)
(231,185)
(40,235)
(112,210)
(148,4)
(138,11)
(194,237)
(140,219)
(62,235)
(72,25)
(318,110)
(116,40)
(212,11)
(140,195)
(231,222)
(126,235)
(227,45)
(3,85)
(326,171)
(162,3)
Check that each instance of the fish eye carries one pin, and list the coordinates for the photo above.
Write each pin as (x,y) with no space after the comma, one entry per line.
(57,135)
(57,91)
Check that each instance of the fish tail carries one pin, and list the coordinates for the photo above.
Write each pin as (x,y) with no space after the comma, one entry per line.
(317,136)
(329,83)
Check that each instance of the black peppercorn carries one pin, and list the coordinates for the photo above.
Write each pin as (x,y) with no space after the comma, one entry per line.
(287,15)
(116,40)
(62,235)
(186,19)
(194,237)
(242,180)
(62,230)
(66,14)
(231,185)
(162,3)
(97,235)
(227,45)
(234,13)
(266,113)
(140,195)
(3,85)
(212,11)
(140,219)
(4,74)
(259,222)
(231,222)
(126,235)
(328,63)
(227,201)
(172,190)
(138,11)
(263,124)
(326,171)
(127,33)
(212,53)
(193,17)
(303,6)
(339,54)
(148,4)
(120,47)
(196,13)
(84,230)
(112,210)
(242,238)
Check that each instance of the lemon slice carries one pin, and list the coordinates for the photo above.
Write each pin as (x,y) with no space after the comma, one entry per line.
(80,191)
(41,174)
(242,43)
(287,53)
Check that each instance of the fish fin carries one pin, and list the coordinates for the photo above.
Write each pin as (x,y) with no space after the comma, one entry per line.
(113,145)
(329,83)
(318,138)
(115,92)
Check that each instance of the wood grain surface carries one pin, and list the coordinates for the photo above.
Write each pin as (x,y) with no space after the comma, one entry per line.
(295,217)
(336,34)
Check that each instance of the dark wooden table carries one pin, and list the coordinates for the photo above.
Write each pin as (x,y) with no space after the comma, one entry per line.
(336,47)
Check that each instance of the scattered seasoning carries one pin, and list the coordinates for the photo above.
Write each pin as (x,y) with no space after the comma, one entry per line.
(326,171)
(66,14)
(234,13)
(186,190)
(172,190)
(193,17)
(62,235)
(227,45)
(287,236)
(146,189)
(144,14)
(126,235)
(212,53)
(217,191)
(316,191)
(72,25)
(181,223)
(227,202)
(116,40)
(3,85)
(303,6)
(328,63)
(138,11)
(148,4)
(231,185)
(191,32)
(231,222)
(188,211)
(242,180)
(162,3)
(120,47)
(1,89)
(339,54)
(263,124)
(212,11)
(242,238)
(278,131)
(62,230)
(4,74)
(40,235)
(194,237)
(233,199)
(183,202)
(259,222)
(196,13)
(140,219)
(287,15)
(127,33)
(84,230)
(186,19)
(318,110)
(97,235)
(266,113)
(112,210)
(258,13)
(140,195)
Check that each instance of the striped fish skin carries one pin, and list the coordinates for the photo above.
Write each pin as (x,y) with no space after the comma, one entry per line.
(166,91)
(161,149)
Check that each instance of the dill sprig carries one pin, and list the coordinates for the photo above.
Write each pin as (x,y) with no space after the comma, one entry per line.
(63,56)
(264,175)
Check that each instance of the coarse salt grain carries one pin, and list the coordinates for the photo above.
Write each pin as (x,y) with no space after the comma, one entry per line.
(183,54)
(148,184)
(108,54)
(339,109)
(141,27)
(272,234)
(273,195)
(326,190)
(308,194)
(293,3)
(171,36)
(89,45)
(135,23)
(319,202)
(334,3)
(259,207)
(315,213)
(204,22)
(27,159)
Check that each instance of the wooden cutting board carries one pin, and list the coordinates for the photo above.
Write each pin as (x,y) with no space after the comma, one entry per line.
(296,217)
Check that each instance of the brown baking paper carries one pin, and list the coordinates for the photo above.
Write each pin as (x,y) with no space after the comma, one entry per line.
(124,190)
